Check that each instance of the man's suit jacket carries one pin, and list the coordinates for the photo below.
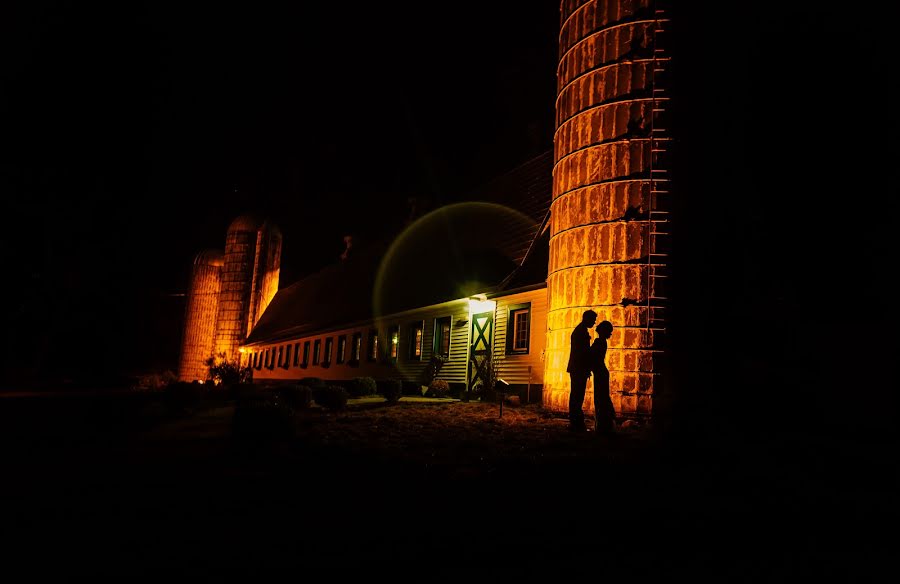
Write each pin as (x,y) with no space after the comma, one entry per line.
(580,351)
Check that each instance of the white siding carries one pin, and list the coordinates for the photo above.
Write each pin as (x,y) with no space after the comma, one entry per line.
(514,368)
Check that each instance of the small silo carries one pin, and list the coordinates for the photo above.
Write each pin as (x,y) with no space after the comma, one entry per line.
(200,315)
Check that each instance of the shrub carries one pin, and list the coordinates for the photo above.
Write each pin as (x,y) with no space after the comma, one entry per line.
(391,389)
(297,397)
(312,382)
(331,397)
(362,386)
(155,381)
(438,388)
(432,369)
(221,370)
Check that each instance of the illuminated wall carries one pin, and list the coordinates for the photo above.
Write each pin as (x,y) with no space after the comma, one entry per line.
(608,230)
(267,268)
(200,315)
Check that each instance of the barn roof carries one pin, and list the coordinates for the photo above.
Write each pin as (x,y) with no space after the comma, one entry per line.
(493,240)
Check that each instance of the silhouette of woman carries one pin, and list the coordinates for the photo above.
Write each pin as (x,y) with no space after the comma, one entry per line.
(604,413)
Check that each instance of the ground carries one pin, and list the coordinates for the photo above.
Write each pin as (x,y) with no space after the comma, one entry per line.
(439,486)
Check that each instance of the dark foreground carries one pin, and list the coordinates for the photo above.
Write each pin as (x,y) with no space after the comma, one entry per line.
(435,492)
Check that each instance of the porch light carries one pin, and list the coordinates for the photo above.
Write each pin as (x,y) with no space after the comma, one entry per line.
(479,303)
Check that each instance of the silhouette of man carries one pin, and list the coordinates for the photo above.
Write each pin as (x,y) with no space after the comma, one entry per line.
(604,413)
(579,368)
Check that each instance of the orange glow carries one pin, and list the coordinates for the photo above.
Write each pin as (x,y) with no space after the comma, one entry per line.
(607,233)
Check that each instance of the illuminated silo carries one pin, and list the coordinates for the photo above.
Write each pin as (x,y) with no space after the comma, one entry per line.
(237,282)
(200,315)
(608,225)
(266,270)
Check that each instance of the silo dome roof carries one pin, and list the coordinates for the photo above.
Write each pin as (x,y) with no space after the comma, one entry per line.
(244,223)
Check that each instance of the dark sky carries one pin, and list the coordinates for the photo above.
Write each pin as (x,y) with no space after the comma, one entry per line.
(132,134)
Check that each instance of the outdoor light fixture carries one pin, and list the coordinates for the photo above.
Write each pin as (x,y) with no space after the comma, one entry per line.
(479,303)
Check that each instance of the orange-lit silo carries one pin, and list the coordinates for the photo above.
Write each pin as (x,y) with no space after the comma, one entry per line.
(267,267)
(609,186)
(237,282)
(250,273)
(200,315)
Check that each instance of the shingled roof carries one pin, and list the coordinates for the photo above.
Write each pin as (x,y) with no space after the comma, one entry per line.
(450,253)
(527,189)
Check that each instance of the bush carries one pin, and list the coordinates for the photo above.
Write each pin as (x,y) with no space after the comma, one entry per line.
(262,419)
(362,386)
(312,382)
(391,389)
(432,369)
(221,370)
(438,388)
(297,397)
(155,381)
(331,397)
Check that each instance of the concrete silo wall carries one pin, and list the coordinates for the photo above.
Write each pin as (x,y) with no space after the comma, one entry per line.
(200,316)
(237,278)
(606,247)
(266,272)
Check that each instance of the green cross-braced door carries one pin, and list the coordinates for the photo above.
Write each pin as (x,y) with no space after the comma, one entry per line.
(480,351)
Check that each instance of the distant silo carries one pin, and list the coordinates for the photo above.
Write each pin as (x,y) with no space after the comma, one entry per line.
(608,230)
(200,315)
(237,283)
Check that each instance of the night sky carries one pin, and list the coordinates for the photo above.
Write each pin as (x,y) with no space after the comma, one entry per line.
(133,133)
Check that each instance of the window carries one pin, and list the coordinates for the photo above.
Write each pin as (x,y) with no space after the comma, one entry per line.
(373,345)
(442,336)
(280,355)
(287,356)
(416,336)
(305,355)
(254,360)
(518,329)
(356,348)
(317,351)
(342,349)
(268,354)
(296,354)
(329,346)
(394,335)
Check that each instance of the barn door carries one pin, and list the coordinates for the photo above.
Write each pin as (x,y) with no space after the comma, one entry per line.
(480,350)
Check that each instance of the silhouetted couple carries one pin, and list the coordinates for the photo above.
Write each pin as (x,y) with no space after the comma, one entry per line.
(585,359)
